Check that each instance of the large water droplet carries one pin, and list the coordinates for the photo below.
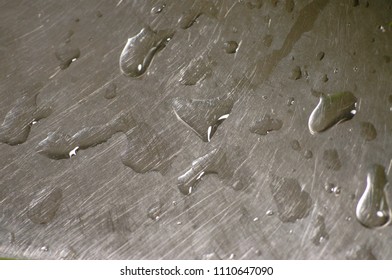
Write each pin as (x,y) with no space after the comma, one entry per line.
(372,209)
(140,50)
(332,109)
(200,115)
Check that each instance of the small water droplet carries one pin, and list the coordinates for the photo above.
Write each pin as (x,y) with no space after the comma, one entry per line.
(308,154)
(179,223)
(348,218)
(212,162)
(267,40)
(290,101)
(331,159)
(111,91)
(296,73)
(368,131)
(372,209)
(329,187)
(320,56)
(158,9)
(336,190)
(44,249)
(295,145)
(154,211)
(256,219)
(289,5)
(44,206)
(266,125)
(270,213)
(332,109)
(231,47)
(336,70)
(66,55)
(293,203)
(382,28)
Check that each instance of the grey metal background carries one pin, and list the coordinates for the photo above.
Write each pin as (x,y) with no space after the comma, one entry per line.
(102,210)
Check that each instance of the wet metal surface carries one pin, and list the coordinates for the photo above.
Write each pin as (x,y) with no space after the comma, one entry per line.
(195,129)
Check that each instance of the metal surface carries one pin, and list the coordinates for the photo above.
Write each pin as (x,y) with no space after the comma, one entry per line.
(104,159)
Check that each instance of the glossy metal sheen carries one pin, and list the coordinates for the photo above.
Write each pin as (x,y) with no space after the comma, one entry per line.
(202,149)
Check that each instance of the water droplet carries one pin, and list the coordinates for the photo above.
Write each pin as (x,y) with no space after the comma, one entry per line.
(255,219)
(44,206)
(336,190)
(290,101)
(212,162)
(355,68)
(329,187)
(270,213)
(16,126)
(44,249)
(368,131)
(382,28)
(179,223)
(254,4)
(66,55)
(296,73)
(67,254)
(140,50)
(295,145)
(199,115)
(292,202)
(158,9)
(231,47)
(267,40)
(331,159)
(266,125)
(332,109)
(197,70)
(289,5)
(189,17)
(154,211)
(308,154)
(111,91)
(321,235)
(348,218)
(320,56)
(372,209)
